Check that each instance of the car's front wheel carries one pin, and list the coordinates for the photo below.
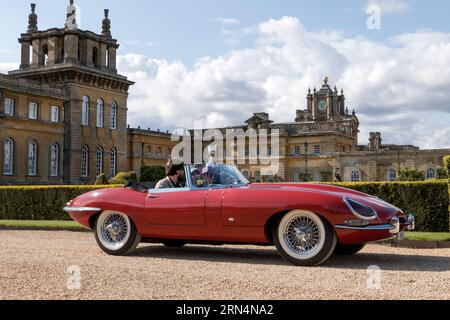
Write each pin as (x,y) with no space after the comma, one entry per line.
(304,239)
(115,233)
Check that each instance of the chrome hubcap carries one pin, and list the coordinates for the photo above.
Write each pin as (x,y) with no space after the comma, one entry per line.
(114,229)
(302,235)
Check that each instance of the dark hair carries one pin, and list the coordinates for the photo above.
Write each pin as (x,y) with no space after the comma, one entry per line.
(172,168)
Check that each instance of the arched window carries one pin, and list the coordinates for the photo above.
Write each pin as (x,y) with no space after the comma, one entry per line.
(44,55)
(317,176)
(258,176)
(54,160)
(113,162)
(32,158)
(431,174)
(8,160)
(100,113)
(392,175)
(85,111)
(84,161)
(246,174)
(113,118)
(99,163)
(356,176)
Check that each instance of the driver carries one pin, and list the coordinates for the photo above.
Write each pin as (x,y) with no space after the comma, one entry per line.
(175,173)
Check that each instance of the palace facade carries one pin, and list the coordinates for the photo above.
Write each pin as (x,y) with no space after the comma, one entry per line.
(63,120)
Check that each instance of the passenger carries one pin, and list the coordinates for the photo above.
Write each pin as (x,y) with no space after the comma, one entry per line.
(175,174)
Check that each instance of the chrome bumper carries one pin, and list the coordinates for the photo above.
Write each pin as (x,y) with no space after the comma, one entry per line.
(394,227)
(81,209)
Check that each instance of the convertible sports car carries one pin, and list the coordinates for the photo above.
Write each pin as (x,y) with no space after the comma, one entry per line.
(306,222)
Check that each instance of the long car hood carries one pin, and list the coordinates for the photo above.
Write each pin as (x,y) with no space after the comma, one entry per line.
(384,209)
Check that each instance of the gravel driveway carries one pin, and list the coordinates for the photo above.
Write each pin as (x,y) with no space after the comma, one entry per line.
(33,265)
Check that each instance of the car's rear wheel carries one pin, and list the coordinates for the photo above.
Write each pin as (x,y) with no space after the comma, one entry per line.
(304,239)
(174,243)
(348,250)
(116,234)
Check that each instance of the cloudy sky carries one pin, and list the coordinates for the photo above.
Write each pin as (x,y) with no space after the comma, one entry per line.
(220,61)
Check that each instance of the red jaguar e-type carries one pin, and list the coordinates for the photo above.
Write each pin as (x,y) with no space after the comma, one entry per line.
(306,222)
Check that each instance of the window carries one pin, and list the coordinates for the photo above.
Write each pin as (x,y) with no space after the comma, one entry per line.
(316,150)
(113,162)
(9,107)
(8,157)
(247,151)
(317,176)
(99,163)
(99,113)
(392,175)
(54,158)
(84,161)
(431,174)
(32,110)
(269,151)
(356,176)
(54,114)
(258,177)
(32,158)
(113,115)
(85,111)
(296,151)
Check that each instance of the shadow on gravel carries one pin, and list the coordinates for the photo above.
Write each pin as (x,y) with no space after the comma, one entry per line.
(269,256)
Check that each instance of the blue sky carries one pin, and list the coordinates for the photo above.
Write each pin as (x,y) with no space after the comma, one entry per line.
(220,61)
(187,30)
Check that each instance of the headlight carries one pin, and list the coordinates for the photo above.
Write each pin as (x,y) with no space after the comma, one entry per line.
(360,210)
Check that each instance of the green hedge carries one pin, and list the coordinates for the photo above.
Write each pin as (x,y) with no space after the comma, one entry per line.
(39,203)
(428,200)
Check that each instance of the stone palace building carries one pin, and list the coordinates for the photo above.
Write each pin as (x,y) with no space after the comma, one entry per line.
(63,120)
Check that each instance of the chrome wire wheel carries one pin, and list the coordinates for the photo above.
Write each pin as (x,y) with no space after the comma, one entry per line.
(113,229)
(301,234)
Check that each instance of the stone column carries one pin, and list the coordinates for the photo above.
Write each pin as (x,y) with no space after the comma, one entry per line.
(112,59)
(36,52)
(25,58)
(103,58)
(71,48)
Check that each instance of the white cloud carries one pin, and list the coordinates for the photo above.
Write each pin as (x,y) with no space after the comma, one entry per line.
(389,6)
(226,21)
(399,87)
(5,67)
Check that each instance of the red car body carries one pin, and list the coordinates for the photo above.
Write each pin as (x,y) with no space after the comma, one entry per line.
(238,215)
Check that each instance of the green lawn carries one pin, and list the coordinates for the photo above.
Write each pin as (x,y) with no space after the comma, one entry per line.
(65,225)
(428,236)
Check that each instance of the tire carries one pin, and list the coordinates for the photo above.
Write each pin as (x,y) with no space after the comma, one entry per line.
(116,234)
(174,243)
(305,228)
(348,250)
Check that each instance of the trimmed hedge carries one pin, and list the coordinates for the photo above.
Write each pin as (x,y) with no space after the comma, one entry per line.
(428,200)
(39,202)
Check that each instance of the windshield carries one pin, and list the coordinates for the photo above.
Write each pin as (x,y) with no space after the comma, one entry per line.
(216,175)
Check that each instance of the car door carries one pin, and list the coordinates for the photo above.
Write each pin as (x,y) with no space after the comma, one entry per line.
(176,207)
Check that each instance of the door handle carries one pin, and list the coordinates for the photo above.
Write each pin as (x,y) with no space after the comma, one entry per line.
(153,197)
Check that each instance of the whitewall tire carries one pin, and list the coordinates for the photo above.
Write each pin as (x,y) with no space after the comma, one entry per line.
(303,238)
(115,233)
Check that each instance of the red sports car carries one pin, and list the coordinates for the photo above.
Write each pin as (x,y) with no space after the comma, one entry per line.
(306,222)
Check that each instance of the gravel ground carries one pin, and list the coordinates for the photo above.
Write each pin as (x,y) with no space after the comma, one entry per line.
(33,265)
